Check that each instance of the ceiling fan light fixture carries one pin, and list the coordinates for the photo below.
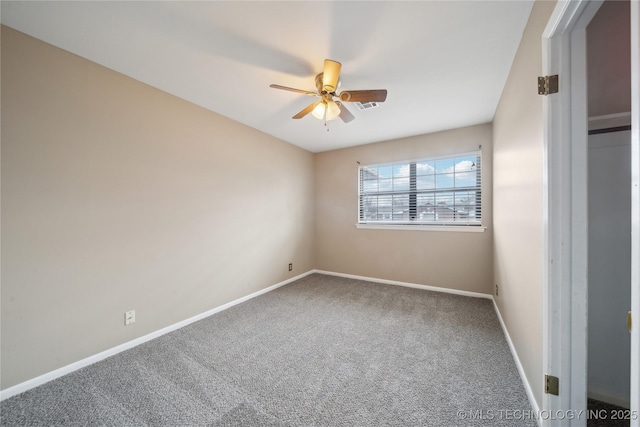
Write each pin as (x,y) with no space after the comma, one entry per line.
(318,112)
(333,111)
(331,108)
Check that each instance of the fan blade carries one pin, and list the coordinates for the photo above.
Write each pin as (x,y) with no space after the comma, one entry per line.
(330,75)
(304,92)
(378,95)
(345,114)
(306,111)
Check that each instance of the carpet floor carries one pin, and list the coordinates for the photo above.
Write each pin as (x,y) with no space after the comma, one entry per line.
(321,351)
(603,414)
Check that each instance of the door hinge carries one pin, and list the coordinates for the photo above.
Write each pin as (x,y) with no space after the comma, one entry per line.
(551,384)
(629,322)
(548,85)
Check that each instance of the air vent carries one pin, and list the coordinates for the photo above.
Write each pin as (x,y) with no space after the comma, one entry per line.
(366,105)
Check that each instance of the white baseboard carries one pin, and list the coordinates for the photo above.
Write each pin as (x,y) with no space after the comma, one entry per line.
(49,376)
(606,397)
(407,284)
(527,387)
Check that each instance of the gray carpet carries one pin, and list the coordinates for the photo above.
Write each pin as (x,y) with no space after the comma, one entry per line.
(321,351)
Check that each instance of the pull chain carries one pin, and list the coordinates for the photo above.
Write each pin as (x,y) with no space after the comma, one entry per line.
(325,117)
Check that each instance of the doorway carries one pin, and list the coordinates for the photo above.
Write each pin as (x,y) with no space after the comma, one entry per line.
(565,216)
(609,205)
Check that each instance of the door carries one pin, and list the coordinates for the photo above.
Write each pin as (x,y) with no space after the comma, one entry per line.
(565,225)
(609,289)
(635,209)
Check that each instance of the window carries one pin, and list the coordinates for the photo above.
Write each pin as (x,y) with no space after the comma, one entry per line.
(441,191)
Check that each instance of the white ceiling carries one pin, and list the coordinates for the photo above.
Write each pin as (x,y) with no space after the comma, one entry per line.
(444,63)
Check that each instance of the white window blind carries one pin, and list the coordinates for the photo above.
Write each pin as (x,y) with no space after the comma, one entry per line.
(440,191)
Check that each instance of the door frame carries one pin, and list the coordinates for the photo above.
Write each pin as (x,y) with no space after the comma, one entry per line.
(565,222)
(635,208)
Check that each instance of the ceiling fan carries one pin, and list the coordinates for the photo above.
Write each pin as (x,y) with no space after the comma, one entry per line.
(327,107)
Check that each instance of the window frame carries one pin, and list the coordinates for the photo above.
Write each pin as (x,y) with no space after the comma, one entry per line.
(413,192)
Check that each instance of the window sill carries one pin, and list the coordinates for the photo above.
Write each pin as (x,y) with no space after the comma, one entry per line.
(459,228)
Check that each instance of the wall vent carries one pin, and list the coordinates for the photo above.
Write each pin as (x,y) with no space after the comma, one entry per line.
(366,105)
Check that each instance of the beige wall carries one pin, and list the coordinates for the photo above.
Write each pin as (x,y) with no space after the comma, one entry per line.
(517,196)
(117,196)
(455,260)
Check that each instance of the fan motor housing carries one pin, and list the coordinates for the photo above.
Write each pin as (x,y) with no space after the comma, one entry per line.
(320,88)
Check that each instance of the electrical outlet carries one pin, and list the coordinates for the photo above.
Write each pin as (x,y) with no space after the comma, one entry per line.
(290,266)
(129,317)
(496,289)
